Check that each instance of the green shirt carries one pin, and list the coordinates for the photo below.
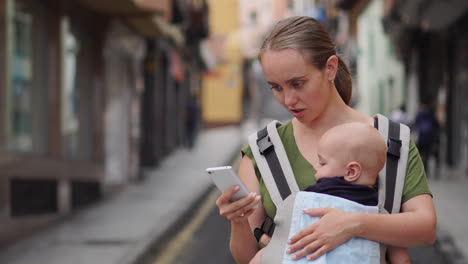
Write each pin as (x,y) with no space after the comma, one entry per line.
(304,172)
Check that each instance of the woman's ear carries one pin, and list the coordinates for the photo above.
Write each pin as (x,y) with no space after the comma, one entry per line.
(353,171)
(332,67)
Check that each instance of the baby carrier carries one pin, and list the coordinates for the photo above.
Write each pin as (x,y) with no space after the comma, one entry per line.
(276,171)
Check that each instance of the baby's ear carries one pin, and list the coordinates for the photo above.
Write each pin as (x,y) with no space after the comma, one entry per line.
(353,171)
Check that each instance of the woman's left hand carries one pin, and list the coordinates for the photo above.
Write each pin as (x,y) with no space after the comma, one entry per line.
(333,229)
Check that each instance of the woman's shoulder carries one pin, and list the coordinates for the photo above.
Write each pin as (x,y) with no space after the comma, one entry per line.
(285,129)
(284,132)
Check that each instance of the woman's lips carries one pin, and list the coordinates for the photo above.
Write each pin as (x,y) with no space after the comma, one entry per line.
(297,112)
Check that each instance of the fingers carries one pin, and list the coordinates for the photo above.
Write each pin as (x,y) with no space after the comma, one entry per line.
(316,211)
(299,235)
(305,241)
(240,208)
(308,246)
(225,197)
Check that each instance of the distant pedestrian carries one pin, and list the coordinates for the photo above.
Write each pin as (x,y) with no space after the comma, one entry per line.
(427,127)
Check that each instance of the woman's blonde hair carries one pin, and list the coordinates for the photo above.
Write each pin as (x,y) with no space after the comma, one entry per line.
(308,36)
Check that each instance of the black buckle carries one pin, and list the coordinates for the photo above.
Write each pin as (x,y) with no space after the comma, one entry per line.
(258,233)
(268,226)
(264,144)
(394,146)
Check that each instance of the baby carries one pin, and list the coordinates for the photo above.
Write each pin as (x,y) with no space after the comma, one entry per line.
(350,156)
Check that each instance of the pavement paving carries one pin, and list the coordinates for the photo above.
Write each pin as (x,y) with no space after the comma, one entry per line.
(450,191)
(121,229)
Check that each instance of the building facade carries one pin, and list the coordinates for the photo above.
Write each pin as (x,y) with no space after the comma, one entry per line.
(92,93)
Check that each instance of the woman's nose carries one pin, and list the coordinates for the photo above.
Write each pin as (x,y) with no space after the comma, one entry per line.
(290,97)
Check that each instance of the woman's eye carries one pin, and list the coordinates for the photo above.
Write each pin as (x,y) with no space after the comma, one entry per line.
(276,88)
(297,84)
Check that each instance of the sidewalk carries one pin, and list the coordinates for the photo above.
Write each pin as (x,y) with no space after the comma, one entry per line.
(120,229)
(450,192)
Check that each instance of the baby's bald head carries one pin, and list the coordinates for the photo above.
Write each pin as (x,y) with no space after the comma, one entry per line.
(357,142)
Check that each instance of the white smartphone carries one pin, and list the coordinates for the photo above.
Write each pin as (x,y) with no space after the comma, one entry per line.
(225,177)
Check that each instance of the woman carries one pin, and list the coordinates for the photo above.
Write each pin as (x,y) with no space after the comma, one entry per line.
(307,78)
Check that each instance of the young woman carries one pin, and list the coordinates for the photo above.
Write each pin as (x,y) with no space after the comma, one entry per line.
(307,78)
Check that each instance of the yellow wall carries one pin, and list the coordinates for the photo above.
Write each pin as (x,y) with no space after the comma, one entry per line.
(222,87)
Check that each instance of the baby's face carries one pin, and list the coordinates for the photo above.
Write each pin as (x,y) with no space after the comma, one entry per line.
(331,163)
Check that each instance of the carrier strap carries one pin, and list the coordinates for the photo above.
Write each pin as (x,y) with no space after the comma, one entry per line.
(393,154)
(277,174)
(267,149)
(392,176)
(273,163)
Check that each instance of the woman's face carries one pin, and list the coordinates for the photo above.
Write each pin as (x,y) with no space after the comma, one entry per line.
(297,85)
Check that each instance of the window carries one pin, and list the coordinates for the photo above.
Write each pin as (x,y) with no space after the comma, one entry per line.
(27,76)
(70,120)
(78,69)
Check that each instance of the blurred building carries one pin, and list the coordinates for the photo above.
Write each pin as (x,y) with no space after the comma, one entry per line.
(92,91)
(222,84)
(256,19)
(380,74)
(431,38)
(407,53)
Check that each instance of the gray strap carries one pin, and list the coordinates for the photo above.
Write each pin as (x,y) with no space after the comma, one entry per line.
(393,155)
(382,126)
(397,137)
(265,171)
(273,163)
(276,248)
(402,165)
(282,156)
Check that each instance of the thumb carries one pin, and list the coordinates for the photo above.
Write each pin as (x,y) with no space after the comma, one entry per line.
(316,211)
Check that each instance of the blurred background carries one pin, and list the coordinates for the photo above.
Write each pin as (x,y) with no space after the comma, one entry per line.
(96,95)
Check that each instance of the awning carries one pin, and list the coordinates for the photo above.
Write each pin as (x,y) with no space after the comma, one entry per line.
(441,14)
(148,17)
(430,15)
(122,8)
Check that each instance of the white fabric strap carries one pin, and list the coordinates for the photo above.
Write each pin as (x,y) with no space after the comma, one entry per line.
(265,171)
(402,165)
(282,156)
(382,122)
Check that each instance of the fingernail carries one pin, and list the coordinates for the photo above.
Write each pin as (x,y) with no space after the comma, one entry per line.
(289,241)
(236,188)
(288,251)
(294,257)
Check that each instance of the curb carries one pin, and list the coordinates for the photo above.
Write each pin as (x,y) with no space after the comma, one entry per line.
(148,250)
(448,249)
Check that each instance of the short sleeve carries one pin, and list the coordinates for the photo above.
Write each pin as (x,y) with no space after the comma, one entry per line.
(415,181)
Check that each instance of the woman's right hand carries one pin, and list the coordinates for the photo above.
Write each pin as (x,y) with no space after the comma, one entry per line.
(239,210)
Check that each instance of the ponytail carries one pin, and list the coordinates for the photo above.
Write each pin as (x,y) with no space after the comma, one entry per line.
(343,81)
